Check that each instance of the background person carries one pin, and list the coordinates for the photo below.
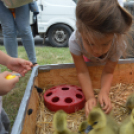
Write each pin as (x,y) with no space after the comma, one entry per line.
(101,37)
(13,21)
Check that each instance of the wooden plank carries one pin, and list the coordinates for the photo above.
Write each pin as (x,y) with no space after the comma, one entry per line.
(123,74)
(58,77)
(29,126)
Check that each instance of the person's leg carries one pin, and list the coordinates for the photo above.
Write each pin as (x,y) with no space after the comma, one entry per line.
(5,120)
(4,123)
(23,26)
(8,30)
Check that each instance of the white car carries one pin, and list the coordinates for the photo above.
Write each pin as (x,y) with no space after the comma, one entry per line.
(56,21)
(129,5)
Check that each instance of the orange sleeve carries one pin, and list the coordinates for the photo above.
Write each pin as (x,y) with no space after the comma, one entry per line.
(13,12)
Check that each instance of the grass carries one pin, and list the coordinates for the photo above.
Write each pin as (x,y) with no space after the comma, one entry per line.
(45,55)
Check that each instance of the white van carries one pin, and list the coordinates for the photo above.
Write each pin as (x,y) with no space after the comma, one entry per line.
(56,21)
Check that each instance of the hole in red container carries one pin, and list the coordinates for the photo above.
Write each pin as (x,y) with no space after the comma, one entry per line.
(52,88)
(79,96)
(55,99)
(49,94)
(68,100)
(80,90)
(65,88)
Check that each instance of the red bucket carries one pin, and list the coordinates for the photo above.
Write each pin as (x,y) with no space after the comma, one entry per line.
(69,98)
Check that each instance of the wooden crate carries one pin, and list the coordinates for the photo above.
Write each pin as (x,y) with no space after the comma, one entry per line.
(52,75)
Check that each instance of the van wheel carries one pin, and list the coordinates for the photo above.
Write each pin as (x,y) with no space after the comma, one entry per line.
(59,35)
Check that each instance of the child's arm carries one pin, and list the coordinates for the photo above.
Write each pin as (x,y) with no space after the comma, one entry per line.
(16,64)
(19,65)
(4,58)
(85,82)
(106,80)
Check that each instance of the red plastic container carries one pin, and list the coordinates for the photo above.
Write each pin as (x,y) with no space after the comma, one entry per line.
(69,98)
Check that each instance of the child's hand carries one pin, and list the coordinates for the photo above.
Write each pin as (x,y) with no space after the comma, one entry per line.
(7,85)
(91,102)
(105,102)
(19,65)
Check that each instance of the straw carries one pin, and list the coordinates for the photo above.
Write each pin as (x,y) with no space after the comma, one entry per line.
(118,95)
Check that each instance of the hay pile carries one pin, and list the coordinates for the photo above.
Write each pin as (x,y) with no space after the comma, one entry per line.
(118,95)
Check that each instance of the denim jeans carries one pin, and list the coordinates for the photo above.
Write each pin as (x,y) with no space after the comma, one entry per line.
(4,123)
(34,7)
(10,27)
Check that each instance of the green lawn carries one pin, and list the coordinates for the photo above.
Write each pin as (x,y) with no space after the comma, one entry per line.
(45,55)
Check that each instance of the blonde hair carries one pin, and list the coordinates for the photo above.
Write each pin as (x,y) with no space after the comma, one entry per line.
(101,18)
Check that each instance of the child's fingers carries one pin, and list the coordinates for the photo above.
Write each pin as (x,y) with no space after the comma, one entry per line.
(24,62)
(86,109)
(6,73)
(94,104)
(14,80)
(101,102)
(23,72)
(28,63)
(106,105)
(91,105)
(27,67)
(108,110)
(24,69)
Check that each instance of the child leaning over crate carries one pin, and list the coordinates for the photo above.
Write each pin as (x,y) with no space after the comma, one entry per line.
(101,37)
(18,65)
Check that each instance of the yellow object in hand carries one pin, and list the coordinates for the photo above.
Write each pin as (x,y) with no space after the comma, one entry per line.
(9,77)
